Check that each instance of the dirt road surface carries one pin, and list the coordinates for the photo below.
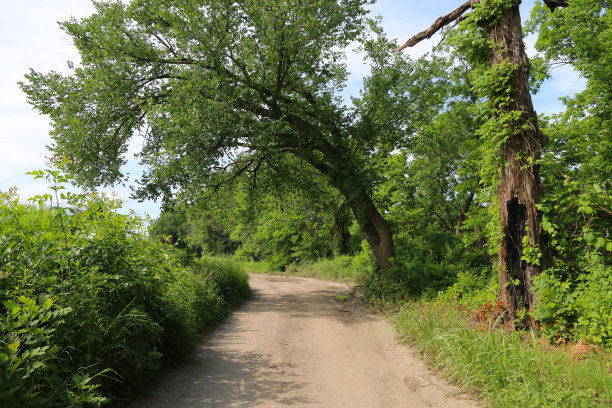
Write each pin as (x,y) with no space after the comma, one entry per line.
(293,344)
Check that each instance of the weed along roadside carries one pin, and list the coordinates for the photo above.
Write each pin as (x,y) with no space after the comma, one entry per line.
(508,369)
(90,307)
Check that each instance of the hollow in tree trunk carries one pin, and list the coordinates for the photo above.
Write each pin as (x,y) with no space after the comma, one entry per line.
(519,188)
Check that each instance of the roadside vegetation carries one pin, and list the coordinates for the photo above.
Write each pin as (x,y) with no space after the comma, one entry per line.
(90,308)
(438,186)
(352,270)
(507,369)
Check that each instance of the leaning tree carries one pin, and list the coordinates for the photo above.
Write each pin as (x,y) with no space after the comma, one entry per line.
(217,89)
(512,130)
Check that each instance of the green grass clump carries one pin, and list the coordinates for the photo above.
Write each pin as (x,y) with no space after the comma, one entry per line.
(340,269)
(342,298)
(230,278)
(507,369)
(259,267)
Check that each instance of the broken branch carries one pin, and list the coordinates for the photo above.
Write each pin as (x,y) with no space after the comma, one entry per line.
(437,25)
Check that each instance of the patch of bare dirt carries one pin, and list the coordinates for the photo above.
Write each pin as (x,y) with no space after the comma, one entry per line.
(294,344)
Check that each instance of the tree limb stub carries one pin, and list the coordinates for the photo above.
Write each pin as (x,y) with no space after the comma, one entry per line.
(438,24)
(553,4)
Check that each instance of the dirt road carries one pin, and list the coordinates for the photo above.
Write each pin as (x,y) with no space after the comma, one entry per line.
(294,344)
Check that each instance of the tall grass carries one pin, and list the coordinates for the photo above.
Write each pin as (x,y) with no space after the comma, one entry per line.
(349,269)
(230,277)
(508,369)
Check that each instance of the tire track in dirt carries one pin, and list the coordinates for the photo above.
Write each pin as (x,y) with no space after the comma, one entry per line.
(293,344)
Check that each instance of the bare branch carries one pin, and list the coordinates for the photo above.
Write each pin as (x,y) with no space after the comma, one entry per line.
(460,19)
(437,25)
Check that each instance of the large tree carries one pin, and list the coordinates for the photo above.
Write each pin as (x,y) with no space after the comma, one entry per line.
(494,33)
(218,87)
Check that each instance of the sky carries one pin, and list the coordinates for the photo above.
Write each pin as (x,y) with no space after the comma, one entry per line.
(30,38)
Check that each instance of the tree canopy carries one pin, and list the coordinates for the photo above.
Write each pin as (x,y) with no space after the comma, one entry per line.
(217,89)
(447,170)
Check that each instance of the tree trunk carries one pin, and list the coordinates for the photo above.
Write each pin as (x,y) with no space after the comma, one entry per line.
(342,235)
(519,188)
(346,179)
(463,213)
(374,229)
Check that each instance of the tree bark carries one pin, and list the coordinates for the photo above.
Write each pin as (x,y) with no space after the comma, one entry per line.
(463,213)
(519,188)
(520,185)
(374,229)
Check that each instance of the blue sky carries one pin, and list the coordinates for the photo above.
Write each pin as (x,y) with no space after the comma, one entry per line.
(30,37)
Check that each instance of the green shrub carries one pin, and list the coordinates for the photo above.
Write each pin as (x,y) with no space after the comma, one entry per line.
(594,302)
(381,290)
(196,301)
(230,278)
(28,355)
(574,309)
(120,304)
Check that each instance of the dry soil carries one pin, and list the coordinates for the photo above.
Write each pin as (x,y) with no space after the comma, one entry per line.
(295,344)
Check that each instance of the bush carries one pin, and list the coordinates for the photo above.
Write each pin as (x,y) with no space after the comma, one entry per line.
(429,266)
(88,305)
(229,277)
(575,309)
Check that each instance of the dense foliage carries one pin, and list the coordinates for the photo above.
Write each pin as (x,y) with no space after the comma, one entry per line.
(221,89)
(88,305)
(435,180)
(439,170)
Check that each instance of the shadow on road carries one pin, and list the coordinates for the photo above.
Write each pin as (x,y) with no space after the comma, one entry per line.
(221,374)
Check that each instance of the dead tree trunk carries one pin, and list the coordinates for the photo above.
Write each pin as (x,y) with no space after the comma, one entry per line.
(519,188)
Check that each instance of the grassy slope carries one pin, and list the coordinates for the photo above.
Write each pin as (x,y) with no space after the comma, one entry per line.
(507,369)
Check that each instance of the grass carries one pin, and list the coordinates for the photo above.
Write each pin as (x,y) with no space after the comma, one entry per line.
(340,269)
(507,369)
(256,267)
(342,298)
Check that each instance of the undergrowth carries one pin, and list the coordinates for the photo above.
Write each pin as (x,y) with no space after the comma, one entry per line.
(348,269)
(89,307)
(507,369)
